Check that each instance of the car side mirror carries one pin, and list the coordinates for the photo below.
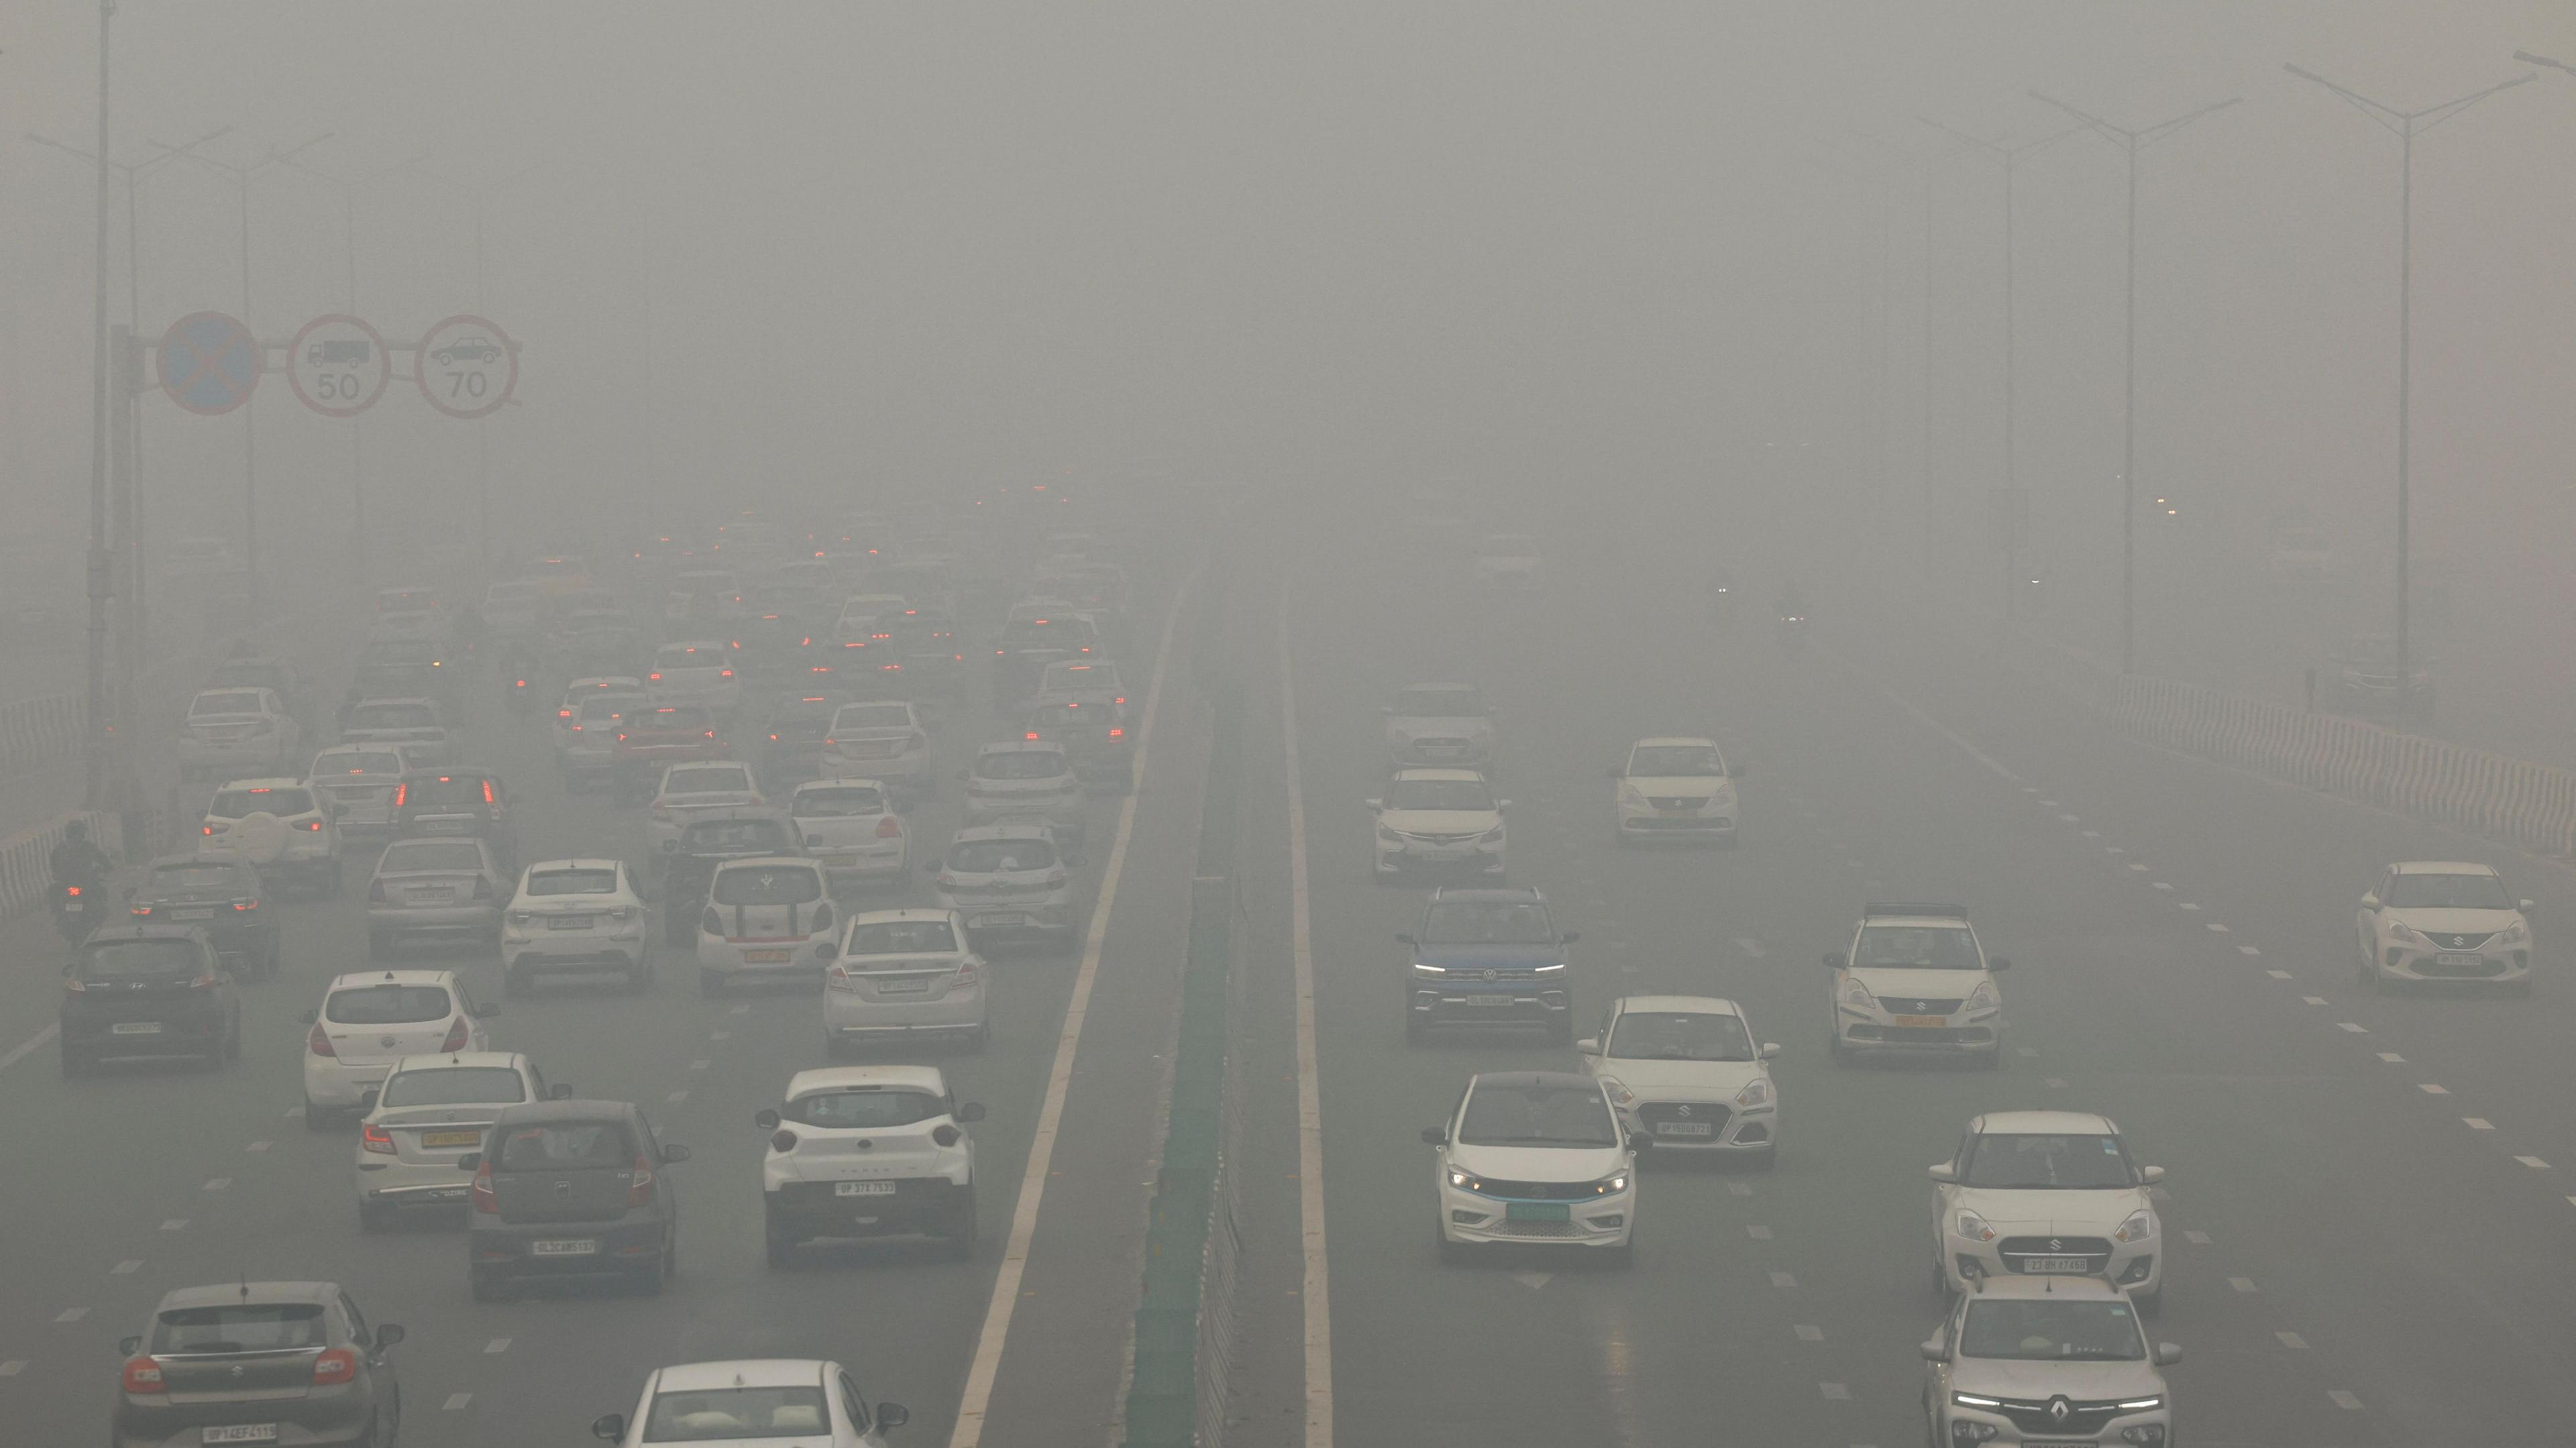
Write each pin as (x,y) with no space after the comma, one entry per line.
(1942,1171)
(674,1155)
(608,1427)
(1770,1051)
(2527,907)
(470,1161)
(827,951)
(1834,960)
(312,1017)
(367,1100)
(1375,806)
(891,1416)
(486,1010)
(2370,904)
(1435,1135)
(1998,963)
(128,1346)
(1935,1350)
(560,1091)
(2150,1175)
(971,1112)
(1501,805)
(1588,1046)
(765,1119)
(1404,937)
(1569,937)
(389,1333)
(2168,1353)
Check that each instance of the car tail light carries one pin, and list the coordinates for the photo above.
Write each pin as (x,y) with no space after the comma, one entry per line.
(401,793)
(335,1365)
(711,923)
(1033,734)
(563,713)
(773,738)
(711,734)
(318,1041)
(485,1199)
(375,892)
(314,825)
(621,738)
(834,978)
(455,1036)
(966,971)
(72,983)
(142,1375)
(889,828)
(639,1192)
(945,1134)
(139,910)
(724,673)
(1117,733)
(207,981)
(210,829)
(831,743)
(245,904)
(653,678)
(782,1141)
(376,1138)
(488,796)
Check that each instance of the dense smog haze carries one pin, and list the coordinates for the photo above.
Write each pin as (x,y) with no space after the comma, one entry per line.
(864,724)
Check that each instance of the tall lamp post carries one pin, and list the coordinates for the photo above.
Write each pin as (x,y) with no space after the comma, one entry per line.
(2406,126)
(2129,141)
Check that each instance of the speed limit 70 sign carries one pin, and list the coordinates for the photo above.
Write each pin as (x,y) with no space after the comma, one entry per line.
(338,366)
(466,367)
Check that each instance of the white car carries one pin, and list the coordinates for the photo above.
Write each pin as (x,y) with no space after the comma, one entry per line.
(702,595)
(1010,882)
(1676,789)
(2060,1361)
(356,783)
(902,973)
(278,825)
(1535,1156)
(882,740)
(372,1018)
(1440,724)
(575,915)
(1916,979)
(854,828)
(1443,820)
(1025,780)
(2442,920)
(769,915)
(753,1401)
(869,1151)
(431,1110)
(1509,560)
(403,720)
(1687,1072)
(238,731)
(623,687)
(1080,679)
(696,790)
(2044,1193)
(701,671)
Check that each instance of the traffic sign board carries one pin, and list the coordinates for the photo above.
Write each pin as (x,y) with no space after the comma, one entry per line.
(466,367)
(209,363)
(338,365)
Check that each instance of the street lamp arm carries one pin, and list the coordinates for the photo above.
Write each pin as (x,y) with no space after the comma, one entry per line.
(1979,142)
(2109,131)
(2435,115)
(2394,119)
(2527,58)
(2162,129)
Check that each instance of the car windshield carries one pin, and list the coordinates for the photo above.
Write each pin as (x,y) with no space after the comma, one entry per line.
(901,937)
(392,716)
(732,780)
(1020,764)
(839,801)
(563,1145)
(864,1108)
(767,885)
(1915,947)
(2449,892)
(454,1086)
(1487,922)
(228,701)
(572,882)
(239,1327)
(359,761)
(1680,1036)
(388,1005)
(989,857)
(692,719)
(2082,1162)
(2051,1329)
(872,716)
(1091,713)
(447,791)
(139,959)
(1439,794)
(1440,704)
(169,879)
(1537,1114)
(735,835)
(1675,761)
(727,1414)
(411,856)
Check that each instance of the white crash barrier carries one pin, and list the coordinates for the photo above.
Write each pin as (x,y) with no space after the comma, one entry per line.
(23,869)
(2515,800)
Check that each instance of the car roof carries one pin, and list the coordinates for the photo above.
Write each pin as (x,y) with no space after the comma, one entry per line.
(265,781)
(1700,1005)
(205,857)
(840,781)
(833,1078)
(1673,741)
(1031,831)
(574,864)
(2043,1123)
(1448,774)
(769,862)
(357,978)
(1021,746)
(1575,1079)
(745,1372)
(462,1060)
(2443,867)
(902,912)
(224,1294)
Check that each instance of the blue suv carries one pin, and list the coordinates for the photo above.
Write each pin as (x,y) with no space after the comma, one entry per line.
(1488,957)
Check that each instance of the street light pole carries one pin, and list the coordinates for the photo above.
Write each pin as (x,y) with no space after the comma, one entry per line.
(2128,141)
(95,746)
(2406,126)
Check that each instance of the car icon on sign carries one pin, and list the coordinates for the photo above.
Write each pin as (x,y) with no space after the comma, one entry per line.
(467,349)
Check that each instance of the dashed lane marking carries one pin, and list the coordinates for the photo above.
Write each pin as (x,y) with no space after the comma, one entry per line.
(2197,1239)
(456,1402)
(2393,1057)
(2429,1089)
(2356,1027)
(2314,1000)
(175,1224)
(1810,1334)
(71,1314)
(256,1146)
(2292,1341)
(2056,1081)
(13,1367)
(693,1065)
(498,1344)
(676,1097)
(2248,950)
(2278,974)
(1783,1279)
(1739,1189)
(2478,1123)
(30,1045)
(2220,929)
(126,1268)
(2533,1162)
(2241,1284)
(216,1184)
(2163,885)
(2343,1399)
(1835,1392)
(1758,1233)
(1750,946)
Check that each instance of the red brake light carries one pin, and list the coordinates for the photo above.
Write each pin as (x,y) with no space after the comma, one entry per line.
(724,673)
(1117,733)
(376,1138)
(245,904)
(1033,734)
(314,825)
(655,677)
(142,1375)
(455,1037)
(335,1365)
(487,793)
(889,828)
(401,792)
(485,1200)
(75,889)
(318,1041)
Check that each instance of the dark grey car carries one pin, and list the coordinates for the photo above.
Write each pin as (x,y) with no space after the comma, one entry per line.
(259,1362)
(569,1190)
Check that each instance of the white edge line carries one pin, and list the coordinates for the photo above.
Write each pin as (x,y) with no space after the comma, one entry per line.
(28,1046)
(996,1330)
(1315,1290)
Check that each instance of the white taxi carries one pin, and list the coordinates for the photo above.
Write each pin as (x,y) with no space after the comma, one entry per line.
(575,915)
(431,1111)
(1688,1072)
(2042,1193)
(1916,979)
(1676,788)
(770,915)
(854,827)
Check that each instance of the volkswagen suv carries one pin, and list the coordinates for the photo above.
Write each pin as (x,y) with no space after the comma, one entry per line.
(1488,958)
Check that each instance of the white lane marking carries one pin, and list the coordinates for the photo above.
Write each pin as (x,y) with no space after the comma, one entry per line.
(71,1314)
(126,1268)
(1837,1392)
(2533,1162)
(995,1332)
(743,1009)
(13,1367)
(2187,905)
(175,1224)
(1533,1280)
(2356,1027)
(1810,1334)
(2278,974)
(2478,1123)
(2057,1081)
(2247,950)
(2241,1284)
(1738,1189)
(2070,819)
(2113,850)
(2134,865)
(1758,1233)
(2048,804)
(2025,1050)
(456,1402)
(2429,1089)
(2292,1340)
(2163,885)
(498,1344)
(719,1035)
(2314,1000)
(2092,834)
(2197,1239)
(1750,946)
(1783,1279)
(1315,1292)
(693,1065)
(293,1113)
(216,1184)
(30,1045)
(2392,1056)
(676,1097)
(2343,1399)
(2221,929)
(256,1146)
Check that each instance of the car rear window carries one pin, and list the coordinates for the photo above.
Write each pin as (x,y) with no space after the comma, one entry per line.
(674,718)
(1440,703)
(167,878)
(573,882)
(369,761)
(597,710)
(563,1145)
(239,1327)
(767,885)
(984,857)
(1020,764)
(864,1108)
(409,856)
(873,716)
(707,781)
(388,1005)
(139,959)
(840,801)
(227,701)
(233,804)
(901,937)
(455,1086)
(446,791)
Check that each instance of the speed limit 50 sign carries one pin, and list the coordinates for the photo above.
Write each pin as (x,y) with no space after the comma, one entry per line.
(466,367)
(338,365)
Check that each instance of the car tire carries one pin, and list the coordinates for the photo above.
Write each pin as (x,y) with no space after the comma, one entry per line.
(2150,1304)
(1413,1026)
(1623,1256)
(957,1243)
(711,983)
(1836,1051)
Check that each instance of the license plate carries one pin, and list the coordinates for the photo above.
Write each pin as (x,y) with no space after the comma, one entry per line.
(135,1028)
(443,895)
(569,922)
(445,827)
(1682,1128)
(206,914)
(1537,1212)
(1002,917)
(564,1247)
(863,1189)
(450,1138)
(1922,1020)
(2056,1264)
(2460,957)
(902,987)
(764,957)
(239,1433)
(1490,1002)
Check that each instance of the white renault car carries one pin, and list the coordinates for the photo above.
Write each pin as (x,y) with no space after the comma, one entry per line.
(854,828)
(868,1152)
(1440,724)
(2056,1361)
(2443,920)
(1675,788)
(575,915)
(1687,1071)
(902,973)
(2043,1193)
(1443,820)
(697,791)
(753,1401)
(1916,979)
(1535,1156)
(767,916)
(372,1018)
(430,1111)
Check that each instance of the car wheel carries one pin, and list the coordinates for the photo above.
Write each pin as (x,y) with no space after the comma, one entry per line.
(1836,1051)
(2151,1304)
(1940,1282)
(1413,1026)
(958,1242)
(1622,1256)
(710,982)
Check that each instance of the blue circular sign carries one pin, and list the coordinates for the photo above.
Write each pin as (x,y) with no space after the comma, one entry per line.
(209,363)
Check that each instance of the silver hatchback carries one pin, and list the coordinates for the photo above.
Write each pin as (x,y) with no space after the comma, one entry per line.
(441,888)
(1009,882)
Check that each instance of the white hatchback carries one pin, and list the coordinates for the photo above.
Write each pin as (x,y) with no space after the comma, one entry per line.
(1439,820)
(1916,979)
(770,915)
(880,739)
(431,1111)
(854,828)
(233,731)
(1676,789)
(1023,780)
(869,1152)
(278,825)
(575,915)
(1688,1073)
(372,1018)
(753,1401)
(2036,1193)
(2443,920)
(904,973)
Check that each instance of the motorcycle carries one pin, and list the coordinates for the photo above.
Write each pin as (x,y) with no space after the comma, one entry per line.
(1793,633)
(77,909)
(521,696)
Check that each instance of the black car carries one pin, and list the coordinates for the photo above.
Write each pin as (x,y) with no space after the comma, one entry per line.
(465,803)
(570,1190)
(218,894)
(258,1362)
(792,752)
(689,866)
(148,990)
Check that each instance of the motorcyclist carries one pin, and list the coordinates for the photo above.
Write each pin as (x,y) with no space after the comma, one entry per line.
(77,861)
(1793,606)
(1721,594)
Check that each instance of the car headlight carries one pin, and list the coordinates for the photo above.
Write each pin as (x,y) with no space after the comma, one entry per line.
(2518,933)
(1630,794)
(2409,934)
(1493,836)
(1972,1227)
(1428,970)
(1465,1181)
(1619,1091)
(1973,1400)
(1756,1093)
(2140,1225)
(1984,998)
(1856,994)
(1616,1181)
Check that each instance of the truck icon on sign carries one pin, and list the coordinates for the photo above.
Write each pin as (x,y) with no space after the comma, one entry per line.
(357,352)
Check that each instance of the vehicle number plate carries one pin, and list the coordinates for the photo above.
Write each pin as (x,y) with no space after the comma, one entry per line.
(239,1433)
(1490,1002)
(135,1028)
(450,1138)
(1682,1128)
(569,922)
(764,957)
(1922,1021)
(2460,957)
(1537,1212)
(2056,1264)
(438,895)
(1002,917)
(206,914)
(563,1247)
(445,827)
(863,1189)
(902,987)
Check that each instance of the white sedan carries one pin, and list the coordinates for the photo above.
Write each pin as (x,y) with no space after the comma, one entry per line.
(2035,1193)
(1676,789)
(575,915)
(755,1400)
(1439,819)
(1688,1072)
(692,790)
(1535,1156)
(431,1111)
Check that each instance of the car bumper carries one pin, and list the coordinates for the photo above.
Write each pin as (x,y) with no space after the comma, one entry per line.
(2429,967)
(1995,1430)
(848,1018)
(385,1182)
(919,1205)
(1970,1036)
(536,950)
(1434,1003)
(1713,1128)
(433,920)
(1597,1222)
(1655,824)
(1045,916)
(330,1083)
(733,958)
(322,1418)
(1411,858)
(507,1252)
(189,1035)
(2137,1266)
